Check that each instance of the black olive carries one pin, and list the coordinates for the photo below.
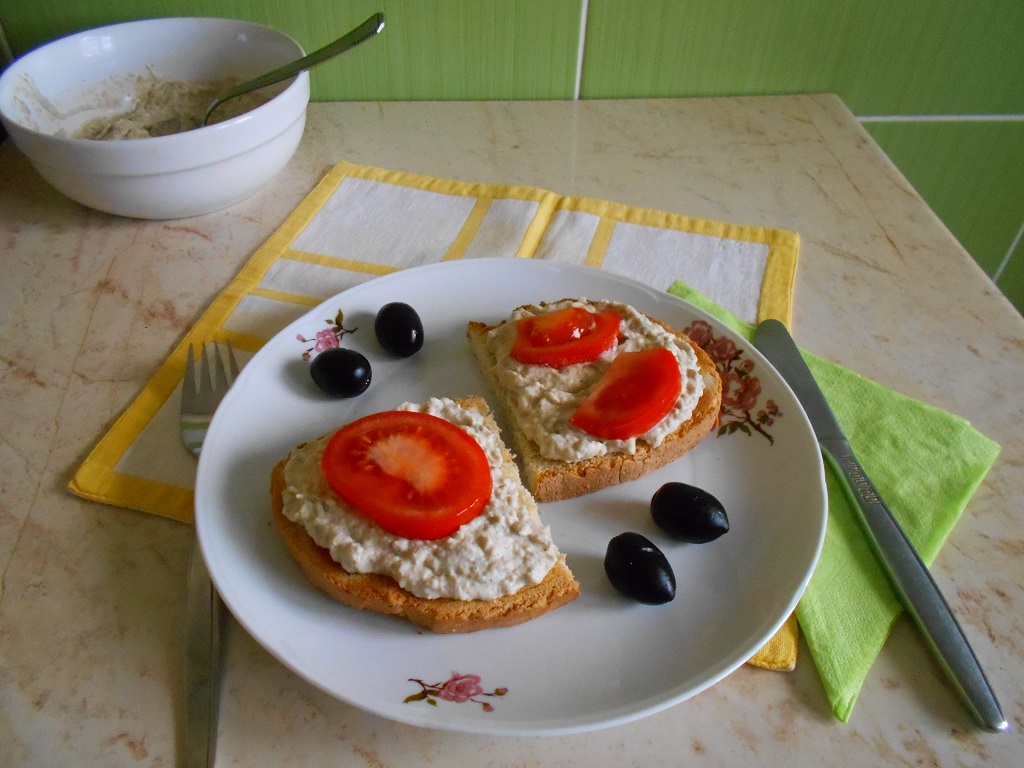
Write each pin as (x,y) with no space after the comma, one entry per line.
(639,570)
(341,372)
(399,329)
(688,513)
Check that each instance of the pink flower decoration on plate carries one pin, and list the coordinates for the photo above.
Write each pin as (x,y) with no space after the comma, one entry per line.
(457,689)
(461,688)
(325,338)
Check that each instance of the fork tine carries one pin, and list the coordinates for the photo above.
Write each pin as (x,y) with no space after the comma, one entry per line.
(199,402)
(205,382)
(189,382)
(232,363)
(221,381)
(201,395)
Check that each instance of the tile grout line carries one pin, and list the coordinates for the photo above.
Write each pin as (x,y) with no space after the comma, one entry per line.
(999,118)
(1004,263)
(940,118)
(6,54)
(581,44)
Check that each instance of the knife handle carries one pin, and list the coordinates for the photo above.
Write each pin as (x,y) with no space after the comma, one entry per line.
(918,591)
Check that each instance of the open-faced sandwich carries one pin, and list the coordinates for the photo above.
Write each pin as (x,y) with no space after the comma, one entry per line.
(595,392)
(420,512)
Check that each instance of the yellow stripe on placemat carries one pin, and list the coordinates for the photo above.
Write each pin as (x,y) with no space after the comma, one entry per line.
(535,232)
(98,479)
(287,298)
(599,245)
(432,184)
(338,263)
(469,230)
(776,294)
(779,277)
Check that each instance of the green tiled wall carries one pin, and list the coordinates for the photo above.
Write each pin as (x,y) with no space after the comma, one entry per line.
(883,56)
(1012,281)
(942,159)
(962,62)
(431,49)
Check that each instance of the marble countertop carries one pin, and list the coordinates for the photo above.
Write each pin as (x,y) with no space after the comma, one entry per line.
(93,599)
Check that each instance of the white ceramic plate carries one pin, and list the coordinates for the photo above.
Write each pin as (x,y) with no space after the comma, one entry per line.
(601,660)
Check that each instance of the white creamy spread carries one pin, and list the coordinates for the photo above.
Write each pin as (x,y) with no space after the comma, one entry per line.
(164,107)
(544,398)
(504,549)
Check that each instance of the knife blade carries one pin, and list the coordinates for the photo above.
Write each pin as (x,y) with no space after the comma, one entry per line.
(202,665)
(907,573)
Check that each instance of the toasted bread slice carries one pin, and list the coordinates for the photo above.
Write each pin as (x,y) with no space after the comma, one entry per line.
(555,480)
(382,594)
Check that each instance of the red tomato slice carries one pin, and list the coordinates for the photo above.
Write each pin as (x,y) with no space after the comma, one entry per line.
(636,392)
(565,337)
(417,476)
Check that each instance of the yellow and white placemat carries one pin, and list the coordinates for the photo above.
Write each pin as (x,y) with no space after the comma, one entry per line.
(361,222)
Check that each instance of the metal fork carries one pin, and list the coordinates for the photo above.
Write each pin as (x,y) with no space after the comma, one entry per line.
(204,609)
(200,400)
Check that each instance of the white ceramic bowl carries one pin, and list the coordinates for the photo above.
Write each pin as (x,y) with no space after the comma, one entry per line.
(57,87)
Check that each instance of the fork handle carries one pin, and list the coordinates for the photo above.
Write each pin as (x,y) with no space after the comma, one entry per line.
(193,432)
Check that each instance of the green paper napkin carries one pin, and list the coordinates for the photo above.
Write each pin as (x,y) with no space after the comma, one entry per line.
(925,462)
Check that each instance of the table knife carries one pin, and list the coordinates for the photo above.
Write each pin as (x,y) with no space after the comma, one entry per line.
(906,571)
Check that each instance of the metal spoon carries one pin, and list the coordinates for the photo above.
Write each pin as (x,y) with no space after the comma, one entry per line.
(363,32)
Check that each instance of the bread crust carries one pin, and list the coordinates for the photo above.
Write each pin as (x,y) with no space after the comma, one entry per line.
(382,594)
(555,480)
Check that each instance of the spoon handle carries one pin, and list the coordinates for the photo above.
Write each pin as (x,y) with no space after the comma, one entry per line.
(360,34)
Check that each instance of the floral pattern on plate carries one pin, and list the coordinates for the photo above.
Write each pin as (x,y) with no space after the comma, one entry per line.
(326,338)
(457,689)
(741,389)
